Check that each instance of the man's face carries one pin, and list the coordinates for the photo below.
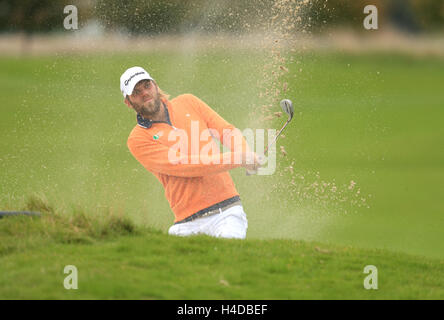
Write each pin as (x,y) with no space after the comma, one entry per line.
(145,98)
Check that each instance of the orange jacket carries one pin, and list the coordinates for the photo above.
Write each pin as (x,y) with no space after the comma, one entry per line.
(194,177)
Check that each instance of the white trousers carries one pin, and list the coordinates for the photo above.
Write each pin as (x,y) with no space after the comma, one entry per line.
(230,223)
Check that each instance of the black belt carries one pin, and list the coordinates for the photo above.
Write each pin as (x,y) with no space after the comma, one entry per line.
(214,209)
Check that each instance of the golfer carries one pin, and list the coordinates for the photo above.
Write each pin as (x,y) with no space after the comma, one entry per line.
(195,177)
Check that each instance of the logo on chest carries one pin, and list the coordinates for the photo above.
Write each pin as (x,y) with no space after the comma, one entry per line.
(158,135)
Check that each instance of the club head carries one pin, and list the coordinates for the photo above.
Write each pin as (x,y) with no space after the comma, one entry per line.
(287,106)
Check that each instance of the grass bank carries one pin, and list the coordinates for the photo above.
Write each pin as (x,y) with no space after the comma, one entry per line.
(117,260)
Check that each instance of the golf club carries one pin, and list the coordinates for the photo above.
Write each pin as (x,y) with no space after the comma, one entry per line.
(287,107)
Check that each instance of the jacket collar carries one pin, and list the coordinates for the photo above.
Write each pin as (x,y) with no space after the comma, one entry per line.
(147,123)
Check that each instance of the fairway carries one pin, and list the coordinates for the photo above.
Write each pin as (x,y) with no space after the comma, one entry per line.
(363,169)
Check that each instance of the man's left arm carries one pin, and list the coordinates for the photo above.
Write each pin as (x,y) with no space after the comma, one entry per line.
(229,135)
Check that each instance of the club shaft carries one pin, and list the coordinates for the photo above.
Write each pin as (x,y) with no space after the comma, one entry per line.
(277,136)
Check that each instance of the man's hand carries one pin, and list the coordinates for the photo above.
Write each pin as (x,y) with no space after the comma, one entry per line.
(252,161)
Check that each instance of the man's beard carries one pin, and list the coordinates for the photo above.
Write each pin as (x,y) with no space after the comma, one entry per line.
(144,111)
(147,114)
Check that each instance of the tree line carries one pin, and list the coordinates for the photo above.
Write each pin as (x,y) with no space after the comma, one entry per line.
(240,16)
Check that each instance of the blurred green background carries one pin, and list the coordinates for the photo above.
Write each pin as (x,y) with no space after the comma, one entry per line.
(175,16)
(365,147)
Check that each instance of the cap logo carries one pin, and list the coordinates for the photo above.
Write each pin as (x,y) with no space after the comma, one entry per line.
(129,79)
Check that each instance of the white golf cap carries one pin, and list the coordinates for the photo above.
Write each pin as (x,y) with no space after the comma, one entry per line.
(130,78)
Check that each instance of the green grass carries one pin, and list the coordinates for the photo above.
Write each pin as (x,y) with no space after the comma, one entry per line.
(372,119)
(117,260)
